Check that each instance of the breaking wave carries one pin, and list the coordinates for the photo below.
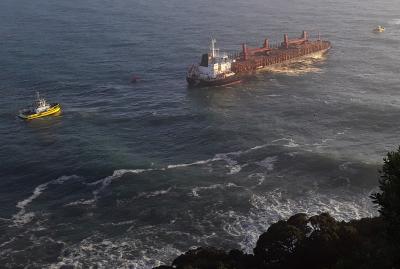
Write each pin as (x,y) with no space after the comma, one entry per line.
(116,253)
(268,163)
(291,143)
(22,217)
(172,166)
(154,193)
(276,205)
(195,191)
(105,182)
(246,177)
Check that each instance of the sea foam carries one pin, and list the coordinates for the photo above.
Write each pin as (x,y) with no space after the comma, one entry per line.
(22,217)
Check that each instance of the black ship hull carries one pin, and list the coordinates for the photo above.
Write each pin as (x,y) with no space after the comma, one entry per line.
(194,82)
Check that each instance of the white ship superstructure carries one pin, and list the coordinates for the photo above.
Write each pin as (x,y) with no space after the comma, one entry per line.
(214,69)
(40,105)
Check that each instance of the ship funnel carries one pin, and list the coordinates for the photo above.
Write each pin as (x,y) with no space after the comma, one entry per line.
(245,52)
(286,40)
(266,43)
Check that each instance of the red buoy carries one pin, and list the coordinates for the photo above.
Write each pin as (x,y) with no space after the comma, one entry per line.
(134,79)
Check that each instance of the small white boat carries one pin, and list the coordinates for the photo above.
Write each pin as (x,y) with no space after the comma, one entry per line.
(379,29)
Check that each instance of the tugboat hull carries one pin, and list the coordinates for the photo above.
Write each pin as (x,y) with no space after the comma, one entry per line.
(27,115)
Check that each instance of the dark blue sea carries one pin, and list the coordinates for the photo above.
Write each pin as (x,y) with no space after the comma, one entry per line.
(132,175)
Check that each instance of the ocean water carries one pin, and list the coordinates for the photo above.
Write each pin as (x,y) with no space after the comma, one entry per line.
(131,175)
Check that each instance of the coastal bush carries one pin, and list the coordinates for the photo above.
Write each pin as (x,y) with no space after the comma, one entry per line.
(388,199)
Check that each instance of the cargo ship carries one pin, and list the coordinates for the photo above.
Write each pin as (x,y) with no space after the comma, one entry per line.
(216,69)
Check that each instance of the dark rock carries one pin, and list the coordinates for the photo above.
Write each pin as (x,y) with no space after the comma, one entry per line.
(318,242)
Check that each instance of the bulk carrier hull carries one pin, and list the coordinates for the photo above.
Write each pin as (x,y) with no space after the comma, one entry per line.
(269,58)
(250,60)
(273,67)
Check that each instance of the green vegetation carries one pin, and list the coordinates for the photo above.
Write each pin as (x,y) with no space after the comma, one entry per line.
(320,242)
(389,198)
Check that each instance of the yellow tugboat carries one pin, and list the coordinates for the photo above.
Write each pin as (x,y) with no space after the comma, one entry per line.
(379,29)
(39,109)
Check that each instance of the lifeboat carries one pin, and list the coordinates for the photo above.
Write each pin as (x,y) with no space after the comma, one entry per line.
(379,29)
(39,109)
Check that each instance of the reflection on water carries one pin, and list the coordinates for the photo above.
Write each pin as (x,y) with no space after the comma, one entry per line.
(45,129)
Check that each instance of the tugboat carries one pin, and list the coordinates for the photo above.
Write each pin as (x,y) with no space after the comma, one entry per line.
(379,29)
(39,109)
(214,69)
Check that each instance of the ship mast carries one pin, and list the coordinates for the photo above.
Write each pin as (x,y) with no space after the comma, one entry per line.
(213,41)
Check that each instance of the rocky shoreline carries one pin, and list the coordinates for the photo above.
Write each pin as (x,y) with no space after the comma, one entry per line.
(319,242)
(303,242)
